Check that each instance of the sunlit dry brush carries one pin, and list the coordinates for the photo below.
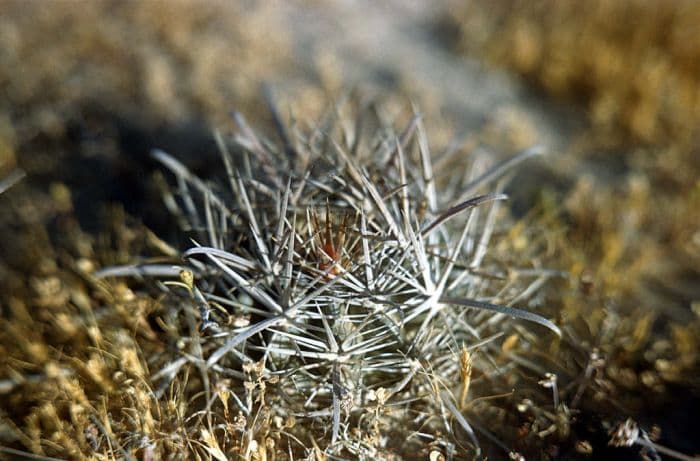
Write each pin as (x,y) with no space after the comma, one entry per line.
(74,378)
(632,240)
(639,75)
(181,63)
(339,297)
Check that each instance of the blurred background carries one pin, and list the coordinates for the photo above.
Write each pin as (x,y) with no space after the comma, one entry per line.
(611,87)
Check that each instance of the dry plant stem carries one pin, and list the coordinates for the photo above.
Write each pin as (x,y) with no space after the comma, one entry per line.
(629,433)
(94,420)
(25,455)
(666,451)
(11,179)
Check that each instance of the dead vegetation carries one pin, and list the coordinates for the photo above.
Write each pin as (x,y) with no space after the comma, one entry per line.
(634,65)
(630,222)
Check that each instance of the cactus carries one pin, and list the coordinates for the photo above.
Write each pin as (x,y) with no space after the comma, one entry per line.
(339,291)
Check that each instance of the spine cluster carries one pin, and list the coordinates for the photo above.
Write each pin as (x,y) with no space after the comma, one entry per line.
(342,281)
